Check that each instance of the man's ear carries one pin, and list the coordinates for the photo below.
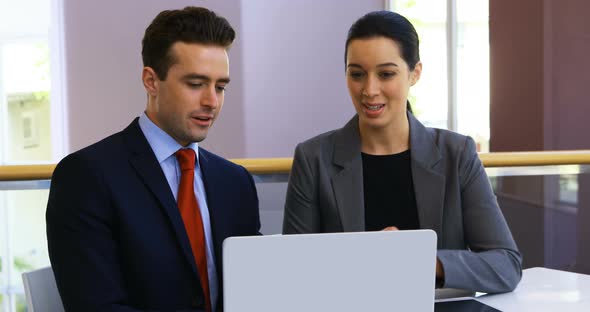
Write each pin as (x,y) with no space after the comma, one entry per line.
(150,81)
(416,73)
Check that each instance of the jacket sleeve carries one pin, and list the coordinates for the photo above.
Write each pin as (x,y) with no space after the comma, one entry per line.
(255,209)
(301,206)
(492,262)
(81,239)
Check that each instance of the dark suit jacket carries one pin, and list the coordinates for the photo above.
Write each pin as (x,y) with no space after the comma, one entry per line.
(116,238)
(453,197)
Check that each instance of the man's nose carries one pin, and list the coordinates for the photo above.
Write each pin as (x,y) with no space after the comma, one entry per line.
(210,97)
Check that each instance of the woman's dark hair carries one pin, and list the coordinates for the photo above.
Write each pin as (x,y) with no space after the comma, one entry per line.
(189,25)
(389,25)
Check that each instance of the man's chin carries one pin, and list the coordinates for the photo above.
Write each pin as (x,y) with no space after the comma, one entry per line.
(199,137)
(191,138)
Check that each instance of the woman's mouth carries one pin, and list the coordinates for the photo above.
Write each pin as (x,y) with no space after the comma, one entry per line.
(373,110)
(374,107)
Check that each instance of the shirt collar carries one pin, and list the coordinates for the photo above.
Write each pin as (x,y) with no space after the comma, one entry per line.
(161,142)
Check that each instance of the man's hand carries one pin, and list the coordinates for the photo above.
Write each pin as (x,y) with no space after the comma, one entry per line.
(440,273)
(390,228)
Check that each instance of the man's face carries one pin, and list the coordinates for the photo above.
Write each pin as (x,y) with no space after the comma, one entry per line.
(186,104)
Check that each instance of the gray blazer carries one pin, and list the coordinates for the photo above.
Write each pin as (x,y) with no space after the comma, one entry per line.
(453,197)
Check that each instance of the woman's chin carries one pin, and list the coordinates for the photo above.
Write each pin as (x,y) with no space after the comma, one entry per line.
(373,123)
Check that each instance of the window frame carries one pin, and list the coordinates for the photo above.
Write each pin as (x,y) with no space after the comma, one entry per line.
(451,47)
(58,94)
(11,287)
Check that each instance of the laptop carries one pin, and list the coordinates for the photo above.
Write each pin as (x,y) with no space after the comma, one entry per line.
(361,271)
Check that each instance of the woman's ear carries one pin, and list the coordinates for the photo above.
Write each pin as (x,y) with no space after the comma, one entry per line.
(415,74)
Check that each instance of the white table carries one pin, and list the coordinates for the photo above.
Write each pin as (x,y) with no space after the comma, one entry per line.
(544,289)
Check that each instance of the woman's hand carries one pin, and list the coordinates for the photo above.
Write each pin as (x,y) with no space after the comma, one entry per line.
(440,273)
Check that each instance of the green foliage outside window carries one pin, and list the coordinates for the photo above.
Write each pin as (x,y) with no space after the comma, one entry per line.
(21,304)
(42,68)
(1,295)
(22,265)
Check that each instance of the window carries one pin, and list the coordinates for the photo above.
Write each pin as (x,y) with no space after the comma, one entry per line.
(453,92)
(26,102)
(31,131)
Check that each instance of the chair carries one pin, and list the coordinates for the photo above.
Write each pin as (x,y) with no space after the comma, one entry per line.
(41,291)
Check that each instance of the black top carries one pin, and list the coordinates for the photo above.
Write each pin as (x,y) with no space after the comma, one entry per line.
(389,192)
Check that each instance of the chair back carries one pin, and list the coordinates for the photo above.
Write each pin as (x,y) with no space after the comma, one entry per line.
(41,291)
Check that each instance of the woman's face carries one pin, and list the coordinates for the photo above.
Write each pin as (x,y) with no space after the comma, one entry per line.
(378,80)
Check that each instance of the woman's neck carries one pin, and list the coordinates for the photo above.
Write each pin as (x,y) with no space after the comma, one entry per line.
(391,139)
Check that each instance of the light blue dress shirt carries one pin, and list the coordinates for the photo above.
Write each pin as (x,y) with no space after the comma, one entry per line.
(164,146)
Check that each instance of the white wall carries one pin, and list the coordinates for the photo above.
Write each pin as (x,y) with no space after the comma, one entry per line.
(286,67)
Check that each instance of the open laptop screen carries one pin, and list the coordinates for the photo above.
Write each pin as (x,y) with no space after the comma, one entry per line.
(364,271)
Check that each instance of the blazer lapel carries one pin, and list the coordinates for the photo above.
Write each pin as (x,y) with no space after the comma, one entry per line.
(213,184)
(147,167)
(428,178)
(348,182)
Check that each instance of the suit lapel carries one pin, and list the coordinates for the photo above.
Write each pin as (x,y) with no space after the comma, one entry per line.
(427,175)
(347,183)
(428,178)
(148,169)
(213,184)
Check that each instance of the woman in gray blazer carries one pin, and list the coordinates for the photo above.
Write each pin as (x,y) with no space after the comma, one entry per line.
(385,171)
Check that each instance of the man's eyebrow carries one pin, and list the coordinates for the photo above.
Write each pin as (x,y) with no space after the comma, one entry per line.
(224,80)
(204,77)
(196,76)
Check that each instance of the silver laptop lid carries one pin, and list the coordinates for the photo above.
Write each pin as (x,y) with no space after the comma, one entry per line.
(362,271)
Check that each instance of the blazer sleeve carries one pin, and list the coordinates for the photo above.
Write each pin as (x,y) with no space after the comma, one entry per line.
(81,239)
(254,204)
(492,262)
(301,206)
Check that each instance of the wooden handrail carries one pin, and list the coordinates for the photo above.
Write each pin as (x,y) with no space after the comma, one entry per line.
(546,158)
(26,172)
(283,165)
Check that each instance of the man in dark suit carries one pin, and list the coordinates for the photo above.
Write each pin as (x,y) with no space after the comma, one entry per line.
(137,220)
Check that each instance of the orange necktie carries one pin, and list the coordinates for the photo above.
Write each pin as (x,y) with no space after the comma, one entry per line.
(191,216)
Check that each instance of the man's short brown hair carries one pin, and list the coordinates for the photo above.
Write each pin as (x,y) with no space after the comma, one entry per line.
(189,25)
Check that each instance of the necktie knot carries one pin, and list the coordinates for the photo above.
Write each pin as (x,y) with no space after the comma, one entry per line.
(186,159)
